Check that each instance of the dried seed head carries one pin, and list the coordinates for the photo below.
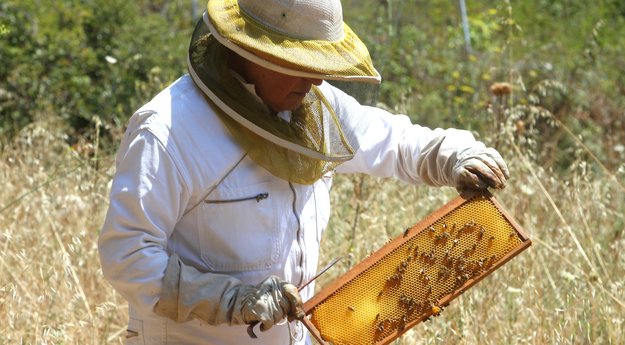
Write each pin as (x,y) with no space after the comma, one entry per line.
(501,89)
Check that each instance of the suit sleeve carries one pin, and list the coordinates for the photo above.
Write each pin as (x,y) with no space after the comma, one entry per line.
(390,145)
(148,197)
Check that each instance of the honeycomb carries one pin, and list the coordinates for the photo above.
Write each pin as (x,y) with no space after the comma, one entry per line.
(415,275)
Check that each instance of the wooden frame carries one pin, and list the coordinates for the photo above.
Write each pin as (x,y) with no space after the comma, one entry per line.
(330,289)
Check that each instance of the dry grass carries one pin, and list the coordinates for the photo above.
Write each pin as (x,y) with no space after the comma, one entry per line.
(51,208)
(568,288)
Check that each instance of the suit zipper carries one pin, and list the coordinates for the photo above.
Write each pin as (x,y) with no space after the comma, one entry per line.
(298,237)
(258,198)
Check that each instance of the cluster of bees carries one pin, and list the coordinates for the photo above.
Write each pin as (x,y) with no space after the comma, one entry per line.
(445,259)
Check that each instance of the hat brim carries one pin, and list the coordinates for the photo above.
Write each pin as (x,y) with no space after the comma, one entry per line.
(345,59)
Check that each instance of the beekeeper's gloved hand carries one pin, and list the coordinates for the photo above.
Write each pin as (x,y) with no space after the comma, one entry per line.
(268,303)
(217,298)
(480,168)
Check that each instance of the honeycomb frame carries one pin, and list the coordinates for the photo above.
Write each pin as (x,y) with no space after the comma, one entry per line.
(414,276)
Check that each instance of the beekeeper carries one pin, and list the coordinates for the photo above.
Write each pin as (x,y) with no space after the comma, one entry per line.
(221,191)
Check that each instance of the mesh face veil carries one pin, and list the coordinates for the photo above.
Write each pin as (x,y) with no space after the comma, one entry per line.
(301,150)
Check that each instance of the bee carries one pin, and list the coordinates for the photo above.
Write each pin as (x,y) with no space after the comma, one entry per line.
(394,279)
(436,310)
(443,272)
(461,261)
(470,250)
(431,230)
(402,324)
(411,308)
(480,234)
(351,308)
(406,231)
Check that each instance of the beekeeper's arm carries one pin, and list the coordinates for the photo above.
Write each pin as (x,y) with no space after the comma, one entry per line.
(391,146)
(148,197)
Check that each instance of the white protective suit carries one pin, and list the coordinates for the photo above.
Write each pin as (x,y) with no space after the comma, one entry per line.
(184,186)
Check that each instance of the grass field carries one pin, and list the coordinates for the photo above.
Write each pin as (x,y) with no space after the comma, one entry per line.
(568,288)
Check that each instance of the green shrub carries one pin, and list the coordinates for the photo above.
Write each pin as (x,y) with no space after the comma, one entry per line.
(81,60)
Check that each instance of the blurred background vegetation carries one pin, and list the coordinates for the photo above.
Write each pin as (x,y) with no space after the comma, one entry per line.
(72,72)
(82,60)
(95,62)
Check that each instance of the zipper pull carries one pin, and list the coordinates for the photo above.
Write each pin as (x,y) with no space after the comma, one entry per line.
(262,196)
(258,198)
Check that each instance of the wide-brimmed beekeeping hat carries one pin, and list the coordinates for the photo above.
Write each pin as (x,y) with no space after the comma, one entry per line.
(305,38)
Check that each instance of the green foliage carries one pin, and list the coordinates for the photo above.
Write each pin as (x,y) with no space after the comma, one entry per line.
(82,60)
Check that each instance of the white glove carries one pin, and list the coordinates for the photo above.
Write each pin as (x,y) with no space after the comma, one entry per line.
(480,168)
(217,298)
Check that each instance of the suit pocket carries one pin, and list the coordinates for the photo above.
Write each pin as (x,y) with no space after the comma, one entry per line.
(239,229)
